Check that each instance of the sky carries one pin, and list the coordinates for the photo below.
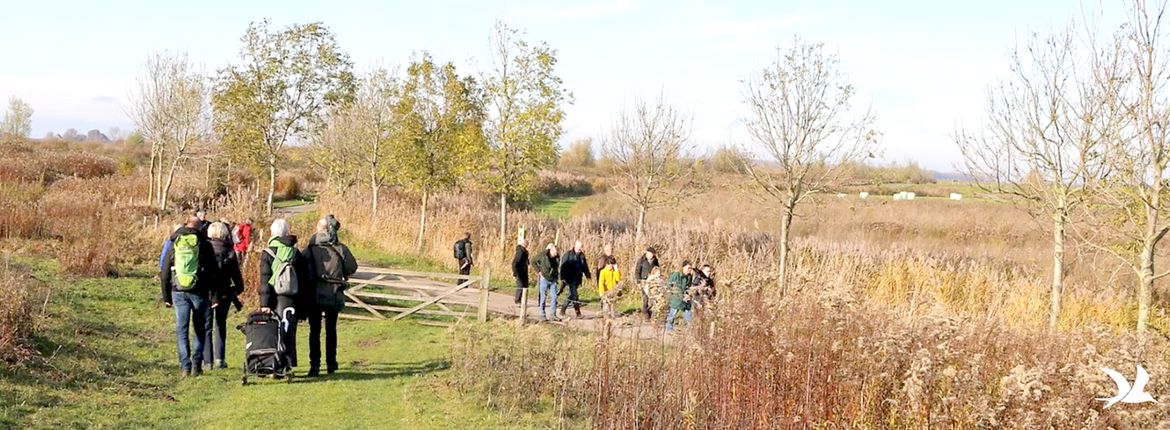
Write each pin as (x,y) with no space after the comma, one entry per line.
(922,67)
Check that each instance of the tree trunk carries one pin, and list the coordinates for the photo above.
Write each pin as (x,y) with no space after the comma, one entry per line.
(422,223)
(153,167)
(373,194)
(641,223)
(785,232)
(1145,286)
(166,190)
(271,184)
(503,221)
(1058,229)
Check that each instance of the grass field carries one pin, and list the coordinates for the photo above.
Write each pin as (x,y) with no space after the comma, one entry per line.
(557,208)
(110,363)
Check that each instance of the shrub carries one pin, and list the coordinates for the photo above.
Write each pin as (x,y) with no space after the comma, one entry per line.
(19,299)
(287,187)
(563,185)
(579,154)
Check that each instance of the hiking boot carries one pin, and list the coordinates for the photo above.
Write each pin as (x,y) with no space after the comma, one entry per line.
(313,372)
(186,373)
(197,371)
(330,369)
(543,318)
(220,364)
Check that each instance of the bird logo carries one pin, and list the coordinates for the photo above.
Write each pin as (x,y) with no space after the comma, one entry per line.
(1125,393)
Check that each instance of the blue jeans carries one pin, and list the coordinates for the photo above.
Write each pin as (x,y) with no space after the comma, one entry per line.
(674,314)
(547,291)
(190,309)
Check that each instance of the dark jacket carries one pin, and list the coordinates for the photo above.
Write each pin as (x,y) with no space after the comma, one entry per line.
(547,266)
(520,265)
(645,267)
(306,290)
(677,286)
(229,282)
(332,264)
(703,284)
(466,245)
(574,267)
(207,266)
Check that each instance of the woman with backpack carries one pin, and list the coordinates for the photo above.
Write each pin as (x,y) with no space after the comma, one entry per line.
(225,291)
(283,269)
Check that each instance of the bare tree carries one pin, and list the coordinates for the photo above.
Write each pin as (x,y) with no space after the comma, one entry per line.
(1131,214)
(1045,134)
(646,145)
(171,110)
(800,117)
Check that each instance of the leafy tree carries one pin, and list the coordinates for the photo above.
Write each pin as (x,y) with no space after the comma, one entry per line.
(285,83)
(646,145)
(800,118)
(524,99)
(17,122)
(579,154)
(441,133)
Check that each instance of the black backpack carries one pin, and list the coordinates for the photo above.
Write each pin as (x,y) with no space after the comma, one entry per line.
(460,250)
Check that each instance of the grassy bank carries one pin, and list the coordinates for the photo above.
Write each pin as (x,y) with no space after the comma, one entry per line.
(108,361)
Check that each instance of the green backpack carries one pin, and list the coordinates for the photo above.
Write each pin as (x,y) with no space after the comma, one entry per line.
(186,267)
(284,276)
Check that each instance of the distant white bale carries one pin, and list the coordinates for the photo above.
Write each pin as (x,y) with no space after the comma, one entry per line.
(956,196)
(863,195)
(840,195)
(910,196)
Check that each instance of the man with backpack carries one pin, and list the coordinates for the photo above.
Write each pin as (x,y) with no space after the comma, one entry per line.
(283,273)
(332,264)
(188,267)
(463,256)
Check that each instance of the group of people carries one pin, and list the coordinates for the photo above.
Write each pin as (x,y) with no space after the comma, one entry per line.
(683,290)
(201,278)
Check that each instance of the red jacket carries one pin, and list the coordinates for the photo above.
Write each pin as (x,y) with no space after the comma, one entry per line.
(245,239)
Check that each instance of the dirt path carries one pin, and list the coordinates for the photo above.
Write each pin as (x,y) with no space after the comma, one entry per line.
(295,210)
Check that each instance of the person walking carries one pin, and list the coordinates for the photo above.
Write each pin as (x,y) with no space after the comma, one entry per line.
(607,281)
(284,283)
(242,239)
(574,270)
(463,251)
(225,290)
(188,269)
(332,264)
(606,254)
(203,222)
(162,257)
(655,287)
(703,286)
(520,268)
(646,264)
(680,297)
(547,267)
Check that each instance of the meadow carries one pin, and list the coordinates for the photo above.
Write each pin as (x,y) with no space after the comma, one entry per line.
(919,314)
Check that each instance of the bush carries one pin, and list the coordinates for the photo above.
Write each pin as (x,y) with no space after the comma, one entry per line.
(728,160)
(287,187)
(563,185)
(19,299)
(579,154)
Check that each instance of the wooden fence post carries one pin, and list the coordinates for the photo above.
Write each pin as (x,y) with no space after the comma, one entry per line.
(523,306)
(483,294)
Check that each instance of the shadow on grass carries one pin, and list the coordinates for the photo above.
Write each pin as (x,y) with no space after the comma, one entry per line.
(383,371)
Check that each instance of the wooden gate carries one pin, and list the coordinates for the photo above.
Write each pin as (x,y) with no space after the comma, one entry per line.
(379,294)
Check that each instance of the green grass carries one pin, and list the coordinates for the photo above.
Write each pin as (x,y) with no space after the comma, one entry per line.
(109,362)
(557,208)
